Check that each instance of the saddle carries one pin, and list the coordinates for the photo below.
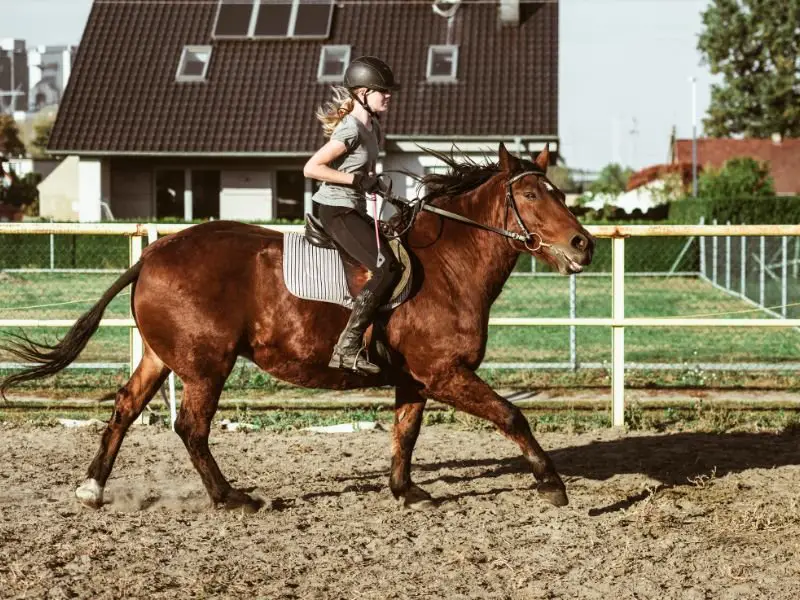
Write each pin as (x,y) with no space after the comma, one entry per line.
(315,268)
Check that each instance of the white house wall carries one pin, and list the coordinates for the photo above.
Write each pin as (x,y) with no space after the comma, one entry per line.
(246,195)
(58,192)
(93,188)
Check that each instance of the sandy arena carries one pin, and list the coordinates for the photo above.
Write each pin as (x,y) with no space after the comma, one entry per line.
(684,515)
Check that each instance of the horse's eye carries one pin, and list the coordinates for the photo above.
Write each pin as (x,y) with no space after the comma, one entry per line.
(530,196)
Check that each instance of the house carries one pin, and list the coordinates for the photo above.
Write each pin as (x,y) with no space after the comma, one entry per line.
(781,155)
(205,109)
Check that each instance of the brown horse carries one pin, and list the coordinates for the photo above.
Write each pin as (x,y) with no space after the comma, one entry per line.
(213,292)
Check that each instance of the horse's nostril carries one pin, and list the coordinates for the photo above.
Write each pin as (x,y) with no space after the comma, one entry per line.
(579,242)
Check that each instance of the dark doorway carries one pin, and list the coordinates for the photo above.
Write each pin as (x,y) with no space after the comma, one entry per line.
(205,194)
(170,186)
(290,190)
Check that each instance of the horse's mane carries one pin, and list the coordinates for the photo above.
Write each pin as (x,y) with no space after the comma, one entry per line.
(463,174)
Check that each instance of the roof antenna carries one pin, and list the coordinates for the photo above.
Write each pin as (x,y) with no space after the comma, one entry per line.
(448,10)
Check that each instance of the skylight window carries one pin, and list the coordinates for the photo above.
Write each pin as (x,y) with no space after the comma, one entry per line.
(193,65)
(442,63)
(273,19)
(333,61)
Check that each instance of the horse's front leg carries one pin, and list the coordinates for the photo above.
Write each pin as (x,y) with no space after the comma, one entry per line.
(408,410)
(464,390)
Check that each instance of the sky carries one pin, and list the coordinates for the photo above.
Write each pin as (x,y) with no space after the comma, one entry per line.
(624,69)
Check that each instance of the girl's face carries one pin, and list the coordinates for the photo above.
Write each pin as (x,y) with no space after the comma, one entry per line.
(378,101)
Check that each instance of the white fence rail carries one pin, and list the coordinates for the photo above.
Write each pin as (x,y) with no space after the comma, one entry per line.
(618,322)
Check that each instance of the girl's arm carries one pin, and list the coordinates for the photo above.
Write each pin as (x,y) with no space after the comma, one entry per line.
(317,166)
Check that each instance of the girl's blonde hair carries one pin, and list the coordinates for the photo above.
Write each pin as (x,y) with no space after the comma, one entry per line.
(332,113)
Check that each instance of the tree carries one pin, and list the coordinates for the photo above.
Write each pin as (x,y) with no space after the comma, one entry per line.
(612,180)
(755,46)
(739,178)
(41,137)
(10,142)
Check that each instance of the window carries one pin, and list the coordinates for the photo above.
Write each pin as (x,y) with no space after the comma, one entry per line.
(193,65)
(333,61)
(442,63)
(273,18)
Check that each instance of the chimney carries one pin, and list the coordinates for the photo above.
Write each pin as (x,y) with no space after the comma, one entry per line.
(777,138)
(509,13)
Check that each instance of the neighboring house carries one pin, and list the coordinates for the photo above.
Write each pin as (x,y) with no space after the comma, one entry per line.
(198,109)
(781,155)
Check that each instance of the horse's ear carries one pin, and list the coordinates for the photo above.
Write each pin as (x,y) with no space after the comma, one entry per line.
(543,160)
(508,162)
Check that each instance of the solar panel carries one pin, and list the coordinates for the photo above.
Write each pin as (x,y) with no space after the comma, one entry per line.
(313,18)
(273,18)
(233,18)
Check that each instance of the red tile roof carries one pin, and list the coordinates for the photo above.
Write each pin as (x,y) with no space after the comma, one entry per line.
(260,95)
(652,173)
(783,157)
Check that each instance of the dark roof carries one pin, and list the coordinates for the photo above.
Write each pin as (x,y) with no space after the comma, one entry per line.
(261,95)
(783,157)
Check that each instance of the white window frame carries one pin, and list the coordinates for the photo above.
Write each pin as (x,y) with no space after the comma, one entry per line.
(179,76)
(321,76)
(453,76)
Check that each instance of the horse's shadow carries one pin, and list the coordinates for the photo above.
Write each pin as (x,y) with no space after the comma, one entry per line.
(672,460)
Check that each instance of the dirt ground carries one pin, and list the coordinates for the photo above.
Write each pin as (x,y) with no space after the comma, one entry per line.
(686,515)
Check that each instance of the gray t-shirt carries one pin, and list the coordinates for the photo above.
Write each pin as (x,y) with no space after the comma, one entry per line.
(361,155)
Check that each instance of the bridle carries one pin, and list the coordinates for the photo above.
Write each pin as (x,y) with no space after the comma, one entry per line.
(526,237)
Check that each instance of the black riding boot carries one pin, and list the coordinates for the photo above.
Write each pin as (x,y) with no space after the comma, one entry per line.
(349,352)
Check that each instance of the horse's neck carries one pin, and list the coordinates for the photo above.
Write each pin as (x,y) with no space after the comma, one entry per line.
(474,260)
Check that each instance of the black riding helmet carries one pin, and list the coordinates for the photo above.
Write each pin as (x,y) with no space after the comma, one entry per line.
(370,72)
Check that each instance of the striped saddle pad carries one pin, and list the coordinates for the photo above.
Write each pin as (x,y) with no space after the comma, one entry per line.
(315,273)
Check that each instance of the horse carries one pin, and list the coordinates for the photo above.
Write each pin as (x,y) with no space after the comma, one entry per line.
(215,291)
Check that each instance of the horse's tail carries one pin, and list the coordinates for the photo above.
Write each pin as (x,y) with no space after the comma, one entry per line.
(53,359)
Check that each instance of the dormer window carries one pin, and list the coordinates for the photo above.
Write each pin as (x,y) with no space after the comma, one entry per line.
(333,61)
(193,65)
(273,19)
(442,63)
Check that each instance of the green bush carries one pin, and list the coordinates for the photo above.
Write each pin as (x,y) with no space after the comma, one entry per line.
(737,209)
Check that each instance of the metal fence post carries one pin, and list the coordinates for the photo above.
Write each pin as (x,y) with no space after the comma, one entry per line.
(617,332)
(728,261)
(762,259)
(784,274)
(573,312)
(703,252)
(714,256)
(743,267)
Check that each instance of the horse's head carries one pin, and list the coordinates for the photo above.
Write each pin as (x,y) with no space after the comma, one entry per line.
(537,206)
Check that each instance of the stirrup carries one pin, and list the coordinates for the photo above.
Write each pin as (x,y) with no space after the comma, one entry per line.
(338,362)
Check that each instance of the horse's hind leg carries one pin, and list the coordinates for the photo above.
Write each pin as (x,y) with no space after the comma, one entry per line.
(129,403)
(408,409)
(466,391)
(200,399)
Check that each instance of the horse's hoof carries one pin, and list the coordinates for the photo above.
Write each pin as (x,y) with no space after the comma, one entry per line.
(90,493)
(554,492)
(238,500)
(416,498)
